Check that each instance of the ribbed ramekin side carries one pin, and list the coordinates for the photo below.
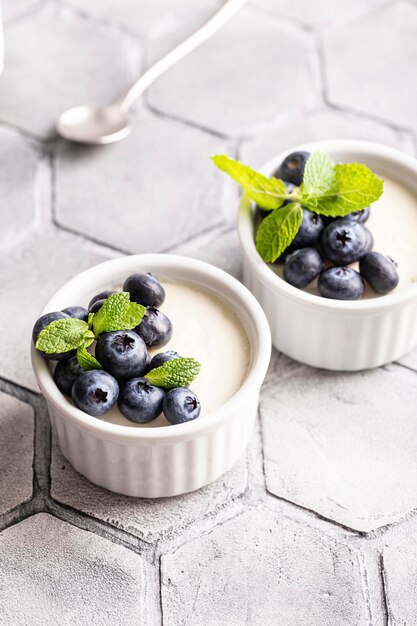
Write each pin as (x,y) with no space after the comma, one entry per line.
(334,339)
(153,470)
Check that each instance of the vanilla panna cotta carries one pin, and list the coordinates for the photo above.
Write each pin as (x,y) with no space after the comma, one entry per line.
(206,329)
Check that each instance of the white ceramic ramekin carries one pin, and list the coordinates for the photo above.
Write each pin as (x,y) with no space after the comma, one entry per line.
(334,334)
(170,460)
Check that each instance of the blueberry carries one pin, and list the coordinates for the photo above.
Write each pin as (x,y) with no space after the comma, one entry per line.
(96,306)
(78,312)
(66,373)
(344,242)
(100,296)
(309,232)
(358,216)
(155,328)
(292,167)
(379,271)
(95,392)
(145,289)
(139,401)
(42,323)
(302,266)
(181,405)
(122,353)
(340,283)
(163,357)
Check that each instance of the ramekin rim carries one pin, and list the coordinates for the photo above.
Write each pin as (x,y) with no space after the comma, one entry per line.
(247,242)
(195,428)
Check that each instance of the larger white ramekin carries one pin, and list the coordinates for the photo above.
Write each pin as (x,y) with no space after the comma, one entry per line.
(160,461)
(333,334)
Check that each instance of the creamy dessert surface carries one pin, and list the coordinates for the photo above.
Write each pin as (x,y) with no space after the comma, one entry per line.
(393,224)
(206,329)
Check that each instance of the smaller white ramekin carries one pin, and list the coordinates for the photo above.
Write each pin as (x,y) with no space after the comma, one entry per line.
(334,334)
(161,461)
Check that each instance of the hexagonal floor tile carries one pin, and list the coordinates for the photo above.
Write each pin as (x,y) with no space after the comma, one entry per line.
(400,578)
(140,195)
(256,569)
(385,39)
(148,519)
(16,452)
(343,445)
(64,62)
(251,63)
(318,13)
(31,273)
(18,161)
(317,126)
(63,575)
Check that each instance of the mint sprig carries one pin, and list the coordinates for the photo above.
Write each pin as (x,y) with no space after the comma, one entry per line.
(175,373)
(64,335)
(87,360)
(277,229)
(327,189)
(269,193)
(117,313)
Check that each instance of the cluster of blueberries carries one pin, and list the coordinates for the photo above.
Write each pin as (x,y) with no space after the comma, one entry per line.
(125,359)
(339,241)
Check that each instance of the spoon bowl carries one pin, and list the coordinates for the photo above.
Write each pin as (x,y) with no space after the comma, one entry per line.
(94,125)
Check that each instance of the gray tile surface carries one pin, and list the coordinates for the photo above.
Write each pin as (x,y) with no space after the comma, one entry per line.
(143,183)
(386,39)
(357,443)
(102,583)
(279,539)
(16,452)
(251,571)
(253,59)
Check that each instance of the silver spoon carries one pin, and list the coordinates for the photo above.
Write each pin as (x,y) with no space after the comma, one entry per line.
(98,125)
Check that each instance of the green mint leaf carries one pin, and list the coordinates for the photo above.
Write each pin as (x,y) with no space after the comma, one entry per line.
(318,175)
(355,187)
(268,193)
(64,335)
(87,361)
(118,313)
(90,320)
(175,373)
(277,231)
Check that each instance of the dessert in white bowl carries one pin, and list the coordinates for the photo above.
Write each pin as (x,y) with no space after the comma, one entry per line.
(161,461)
(335,334)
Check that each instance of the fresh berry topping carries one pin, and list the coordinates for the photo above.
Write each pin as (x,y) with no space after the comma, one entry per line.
(292,167)
(78,312)
(100,296)
(66,373)
(122,353)
(345,242)
(309,231)
(302,266)
(95,392)
(139,401)
(145,289)
(181,405)
(379,271)
(155,328)
(163,357)
(340,283)
(42,323)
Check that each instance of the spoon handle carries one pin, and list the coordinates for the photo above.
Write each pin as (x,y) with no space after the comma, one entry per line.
(223,15)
